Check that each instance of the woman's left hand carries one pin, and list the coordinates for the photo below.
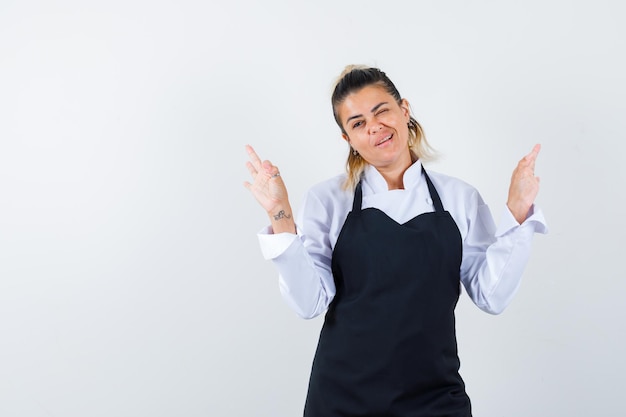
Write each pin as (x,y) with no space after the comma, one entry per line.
(524,186)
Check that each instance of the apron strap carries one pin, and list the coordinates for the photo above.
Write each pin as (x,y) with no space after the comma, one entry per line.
(433,193)
(358,197)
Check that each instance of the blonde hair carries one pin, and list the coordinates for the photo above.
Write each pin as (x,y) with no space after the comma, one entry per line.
(354,78)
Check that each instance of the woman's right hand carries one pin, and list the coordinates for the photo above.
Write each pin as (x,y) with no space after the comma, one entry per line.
(524,186)
(268,188)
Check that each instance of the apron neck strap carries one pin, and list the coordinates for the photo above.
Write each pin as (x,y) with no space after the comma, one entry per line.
(358,197)
(433,192)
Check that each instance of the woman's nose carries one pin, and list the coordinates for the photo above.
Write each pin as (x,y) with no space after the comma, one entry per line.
(375,127)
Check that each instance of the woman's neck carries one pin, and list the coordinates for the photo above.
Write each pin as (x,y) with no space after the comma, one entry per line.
(394,175)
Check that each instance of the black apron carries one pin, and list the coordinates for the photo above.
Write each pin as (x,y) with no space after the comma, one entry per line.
(388,344)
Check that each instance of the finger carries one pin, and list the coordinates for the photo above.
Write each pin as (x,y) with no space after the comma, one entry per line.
(269,168)
(251,168)
(254,158)
(533,156)
(528,161)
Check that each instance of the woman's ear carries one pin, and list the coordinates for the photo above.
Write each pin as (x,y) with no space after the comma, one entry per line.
(406,108)
(345,137)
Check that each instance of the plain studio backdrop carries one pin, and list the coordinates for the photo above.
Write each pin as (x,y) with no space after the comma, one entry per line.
(131,281)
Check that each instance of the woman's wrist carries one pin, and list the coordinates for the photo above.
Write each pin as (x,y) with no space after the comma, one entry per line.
(282,219)
(519,211)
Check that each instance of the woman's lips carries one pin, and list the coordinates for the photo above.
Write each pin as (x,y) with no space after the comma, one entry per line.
(385,139)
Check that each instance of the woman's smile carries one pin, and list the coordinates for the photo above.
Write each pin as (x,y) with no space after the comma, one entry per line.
(384,140)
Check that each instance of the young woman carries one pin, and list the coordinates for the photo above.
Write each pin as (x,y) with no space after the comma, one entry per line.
(383,251)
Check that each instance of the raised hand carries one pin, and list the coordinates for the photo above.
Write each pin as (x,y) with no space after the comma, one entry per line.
(524,186)
(268,188)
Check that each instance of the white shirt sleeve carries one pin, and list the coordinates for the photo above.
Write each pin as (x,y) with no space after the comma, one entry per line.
(304,262)
(494,259)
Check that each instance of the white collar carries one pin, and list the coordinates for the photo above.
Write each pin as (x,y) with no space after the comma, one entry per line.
(377,184)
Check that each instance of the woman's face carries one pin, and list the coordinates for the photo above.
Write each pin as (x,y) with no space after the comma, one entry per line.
(376,126)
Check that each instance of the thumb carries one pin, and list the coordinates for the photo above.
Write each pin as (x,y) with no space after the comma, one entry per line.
(267,166)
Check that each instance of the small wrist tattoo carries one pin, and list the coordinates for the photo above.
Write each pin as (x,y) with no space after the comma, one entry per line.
(281,215)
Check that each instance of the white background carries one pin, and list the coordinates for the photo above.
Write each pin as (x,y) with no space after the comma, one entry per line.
(131,282)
